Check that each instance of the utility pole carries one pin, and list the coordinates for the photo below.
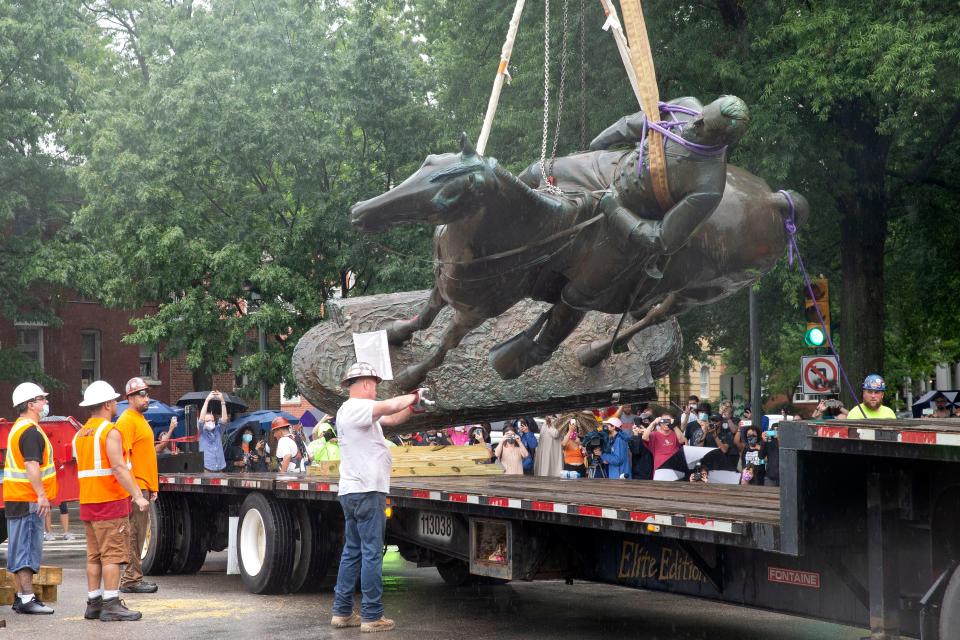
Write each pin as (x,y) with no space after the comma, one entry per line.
(755,401)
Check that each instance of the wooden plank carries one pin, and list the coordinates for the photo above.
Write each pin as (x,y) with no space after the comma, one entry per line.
(48,576)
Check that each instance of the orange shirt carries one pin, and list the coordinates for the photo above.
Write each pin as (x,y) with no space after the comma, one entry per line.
(572,454)
(97,481)
(138,438)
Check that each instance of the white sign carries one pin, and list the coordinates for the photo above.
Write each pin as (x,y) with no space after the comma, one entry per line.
(819,374)
(373,349)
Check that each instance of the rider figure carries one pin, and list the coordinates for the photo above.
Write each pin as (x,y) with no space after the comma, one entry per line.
(696,174)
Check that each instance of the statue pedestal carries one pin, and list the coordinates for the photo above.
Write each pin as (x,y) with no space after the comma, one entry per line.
(465,386)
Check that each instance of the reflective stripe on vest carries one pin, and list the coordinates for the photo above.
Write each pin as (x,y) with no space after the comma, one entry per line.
(15,479)
(98,469)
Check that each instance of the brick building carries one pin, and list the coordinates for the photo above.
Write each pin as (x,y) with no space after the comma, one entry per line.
(88,346)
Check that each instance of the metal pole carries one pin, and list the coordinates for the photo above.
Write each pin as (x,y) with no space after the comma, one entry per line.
(262,337)
(755,400)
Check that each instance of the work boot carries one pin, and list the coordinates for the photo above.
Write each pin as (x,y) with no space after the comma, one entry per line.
(94,605)
(342,622)
(114,610)
(383,624)
(34,607)
(140,587)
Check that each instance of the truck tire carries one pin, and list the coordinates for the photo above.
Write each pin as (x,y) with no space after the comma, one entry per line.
(158,547)
(306,547)
(263,545)
(190,536)
(454,572)
(950,608)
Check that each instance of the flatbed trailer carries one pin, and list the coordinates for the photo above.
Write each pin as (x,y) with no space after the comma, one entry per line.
(863,530)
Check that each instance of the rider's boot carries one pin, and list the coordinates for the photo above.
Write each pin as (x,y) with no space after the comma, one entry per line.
(638,234)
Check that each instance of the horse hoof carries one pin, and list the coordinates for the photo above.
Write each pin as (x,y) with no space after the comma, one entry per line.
(590,355)
(409,378)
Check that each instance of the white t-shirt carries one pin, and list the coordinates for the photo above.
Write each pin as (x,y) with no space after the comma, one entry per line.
(287,447)
(365,460)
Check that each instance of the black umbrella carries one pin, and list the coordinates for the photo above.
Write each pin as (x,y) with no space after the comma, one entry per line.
(234,403)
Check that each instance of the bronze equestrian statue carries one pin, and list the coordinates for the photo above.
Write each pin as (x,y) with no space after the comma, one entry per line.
(500,240)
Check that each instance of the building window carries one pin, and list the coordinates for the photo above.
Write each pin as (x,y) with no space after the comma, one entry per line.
(285,399)
(149,363)
(704,382)
(30,342)
(89,358)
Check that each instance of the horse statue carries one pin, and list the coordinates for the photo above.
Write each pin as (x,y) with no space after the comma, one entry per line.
(500,240)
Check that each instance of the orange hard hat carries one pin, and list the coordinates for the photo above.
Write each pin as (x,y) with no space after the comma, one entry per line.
(278,423)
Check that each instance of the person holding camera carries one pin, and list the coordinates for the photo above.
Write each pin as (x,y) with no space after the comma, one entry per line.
(770,456)
(574,458)
(700,474)
(211,434)
(664,440)
(750,458)
(511,453)
(829,409)
(617,456)
(548,461)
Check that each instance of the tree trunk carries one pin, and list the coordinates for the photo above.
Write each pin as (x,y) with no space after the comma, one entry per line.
(863,232)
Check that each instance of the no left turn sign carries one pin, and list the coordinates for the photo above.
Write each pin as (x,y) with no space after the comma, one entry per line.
(818,374)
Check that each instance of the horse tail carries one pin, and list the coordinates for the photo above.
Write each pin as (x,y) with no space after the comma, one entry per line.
(801,208)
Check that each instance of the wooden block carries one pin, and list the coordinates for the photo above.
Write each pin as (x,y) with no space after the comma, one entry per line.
(7,579)
(7,594)
(46,592)
(48,576)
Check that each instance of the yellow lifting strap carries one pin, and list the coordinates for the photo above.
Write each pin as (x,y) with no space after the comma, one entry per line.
(644,81)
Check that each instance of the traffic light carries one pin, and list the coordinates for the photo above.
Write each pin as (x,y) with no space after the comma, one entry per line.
(816,335)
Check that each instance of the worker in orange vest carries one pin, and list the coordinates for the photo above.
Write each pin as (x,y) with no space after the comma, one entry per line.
(29,484)
(106,486)
(138,436)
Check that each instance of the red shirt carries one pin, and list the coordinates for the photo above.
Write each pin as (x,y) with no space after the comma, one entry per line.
(662,446)
(105,510)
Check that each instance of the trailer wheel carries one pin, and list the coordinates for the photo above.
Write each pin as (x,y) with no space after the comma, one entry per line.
(305,541)
(190,536)
(158,547)
(264,551)
(950,608)
(455,573)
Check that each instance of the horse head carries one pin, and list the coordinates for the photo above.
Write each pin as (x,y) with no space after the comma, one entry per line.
(445,188)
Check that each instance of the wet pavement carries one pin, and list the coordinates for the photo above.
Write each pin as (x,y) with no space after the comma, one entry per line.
(212,604)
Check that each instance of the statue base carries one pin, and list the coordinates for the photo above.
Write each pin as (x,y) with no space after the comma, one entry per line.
(465,386)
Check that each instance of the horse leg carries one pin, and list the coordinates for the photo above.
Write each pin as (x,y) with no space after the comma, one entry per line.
(534,346)
(400,331)
(594,353)
(461,325)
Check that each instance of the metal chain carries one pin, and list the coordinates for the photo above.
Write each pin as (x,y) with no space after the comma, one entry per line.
(583,78)
(563,81)
(546,94)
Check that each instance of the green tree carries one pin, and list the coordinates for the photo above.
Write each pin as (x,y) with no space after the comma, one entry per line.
(224,145)
(40,43)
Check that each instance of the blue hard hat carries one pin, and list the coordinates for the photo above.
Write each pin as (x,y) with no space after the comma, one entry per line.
(874,382)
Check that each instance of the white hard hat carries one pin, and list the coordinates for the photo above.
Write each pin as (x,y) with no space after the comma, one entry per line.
(359,370)
(98,392)
(27,391)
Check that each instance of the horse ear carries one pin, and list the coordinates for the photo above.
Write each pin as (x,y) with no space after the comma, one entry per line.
(466,147)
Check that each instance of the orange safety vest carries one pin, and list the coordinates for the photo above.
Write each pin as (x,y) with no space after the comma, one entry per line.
(97,482)
(16,484)
(138,437)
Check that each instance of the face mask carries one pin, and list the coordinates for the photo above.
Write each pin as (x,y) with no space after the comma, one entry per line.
(45,411)
(751,440)
(703,416)
(209,426)
(248,438)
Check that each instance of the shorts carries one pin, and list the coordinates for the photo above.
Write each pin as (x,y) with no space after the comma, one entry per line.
(107,541)
(63,509)
(25,547)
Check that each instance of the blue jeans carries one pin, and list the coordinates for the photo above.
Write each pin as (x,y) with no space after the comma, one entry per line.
(25,547)
(365,525)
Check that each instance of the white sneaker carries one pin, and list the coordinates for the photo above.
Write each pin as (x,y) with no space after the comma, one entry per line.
(69,536)
(49,537)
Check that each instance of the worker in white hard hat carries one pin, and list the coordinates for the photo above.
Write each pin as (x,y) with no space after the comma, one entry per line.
(106,486)
(29,484)
(365,464)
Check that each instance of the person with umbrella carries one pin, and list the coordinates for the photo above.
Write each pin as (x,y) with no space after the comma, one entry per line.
(249,453)
(211,434)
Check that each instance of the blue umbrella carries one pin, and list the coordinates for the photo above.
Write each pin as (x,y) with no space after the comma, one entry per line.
(258,419)
(158,415)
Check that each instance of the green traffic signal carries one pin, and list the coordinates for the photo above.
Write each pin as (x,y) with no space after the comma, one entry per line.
(814,337)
